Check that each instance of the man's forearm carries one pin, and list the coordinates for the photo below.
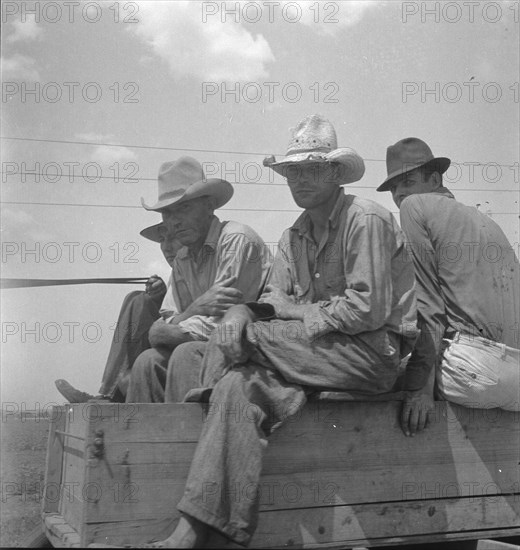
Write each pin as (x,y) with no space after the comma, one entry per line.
(423,361)
(167,335)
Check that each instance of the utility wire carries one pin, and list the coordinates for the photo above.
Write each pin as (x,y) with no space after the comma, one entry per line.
(221,209)
(158,148)
(124,179)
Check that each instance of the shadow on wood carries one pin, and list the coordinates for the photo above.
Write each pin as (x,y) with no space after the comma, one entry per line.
(336,474)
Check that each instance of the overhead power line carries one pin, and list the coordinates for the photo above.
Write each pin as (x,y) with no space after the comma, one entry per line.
(128,180)
(222,209)
(163,148)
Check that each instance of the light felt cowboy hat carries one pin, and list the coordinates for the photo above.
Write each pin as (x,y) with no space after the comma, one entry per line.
(407,155)
(154,232)
(184,179)
(314,141)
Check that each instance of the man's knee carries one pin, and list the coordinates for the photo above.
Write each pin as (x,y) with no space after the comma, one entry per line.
(146,361)
(187,353)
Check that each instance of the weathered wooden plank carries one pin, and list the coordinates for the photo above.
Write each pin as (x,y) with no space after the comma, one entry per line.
(144,423)
(332,454)
(59,533)
(334,460)
(367,524)
(496,545)
(147,491)
(74,466)
(132,532)
(53,462)
(340,526)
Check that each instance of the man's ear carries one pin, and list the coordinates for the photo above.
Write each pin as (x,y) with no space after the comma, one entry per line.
(435,181)
(211,203)
(337,172)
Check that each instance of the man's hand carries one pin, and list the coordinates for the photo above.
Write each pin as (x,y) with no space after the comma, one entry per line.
(217,300)
(166,335)
(156,289)
(283,304)
(230,333)
(417,408)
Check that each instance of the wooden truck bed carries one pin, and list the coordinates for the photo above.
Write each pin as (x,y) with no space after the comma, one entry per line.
(340,474)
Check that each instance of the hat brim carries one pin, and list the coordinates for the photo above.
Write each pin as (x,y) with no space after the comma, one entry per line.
(220,190)
(152,233)
(345,156)
(441,163)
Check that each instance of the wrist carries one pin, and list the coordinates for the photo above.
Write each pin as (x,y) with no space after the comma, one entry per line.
(296,311)
(240,313)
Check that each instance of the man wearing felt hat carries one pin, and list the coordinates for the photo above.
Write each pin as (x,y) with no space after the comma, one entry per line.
(221,264)
(467,287)
(343,301)
(139,311)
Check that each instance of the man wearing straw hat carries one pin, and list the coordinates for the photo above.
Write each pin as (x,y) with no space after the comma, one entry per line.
(467,288)
(343,299)
(221,264)
(139,311)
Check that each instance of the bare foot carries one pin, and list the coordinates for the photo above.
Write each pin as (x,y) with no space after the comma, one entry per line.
(189,533)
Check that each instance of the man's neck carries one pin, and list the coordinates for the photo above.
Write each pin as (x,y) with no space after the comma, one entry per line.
(321,214)
(195,248)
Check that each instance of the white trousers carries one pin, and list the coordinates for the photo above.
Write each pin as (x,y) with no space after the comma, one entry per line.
(480,374)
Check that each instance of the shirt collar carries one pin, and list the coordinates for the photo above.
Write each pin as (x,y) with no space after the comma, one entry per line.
(303,223)
(445,192)
(211,240)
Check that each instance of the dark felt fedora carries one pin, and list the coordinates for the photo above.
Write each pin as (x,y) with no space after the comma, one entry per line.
(407,155)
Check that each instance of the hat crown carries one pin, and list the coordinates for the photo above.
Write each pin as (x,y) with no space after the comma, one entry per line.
(176,176)
(313,133)
(406,154)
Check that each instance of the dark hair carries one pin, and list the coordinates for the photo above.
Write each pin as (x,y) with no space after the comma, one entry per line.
(428,169)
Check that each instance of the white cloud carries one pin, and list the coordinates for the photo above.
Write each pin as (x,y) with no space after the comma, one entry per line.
(107,155)
(330,17)
(19,67)
(209,50)
(25,30)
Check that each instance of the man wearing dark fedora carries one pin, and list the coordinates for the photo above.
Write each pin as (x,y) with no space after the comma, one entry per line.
(140,309)
(343,303)
(220,265)
(467,288)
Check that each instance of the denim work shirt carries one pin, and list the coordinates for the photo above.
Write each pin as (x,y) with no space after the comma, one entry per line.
(230,249)
(466,270)
(358,278)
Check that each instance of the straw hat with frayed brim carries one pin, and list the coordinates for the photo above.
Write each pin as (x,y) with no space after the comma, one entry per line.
(154,232)
(314,141)
(407,155)
(184,179)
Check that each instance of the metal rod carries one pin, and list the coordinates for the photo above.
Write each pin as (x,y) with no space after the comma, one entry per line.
(67,434)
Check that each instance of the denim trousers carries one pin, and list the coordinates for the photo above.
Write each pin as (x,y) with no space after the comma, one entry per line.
(163,376)
(248,401)
(138,313)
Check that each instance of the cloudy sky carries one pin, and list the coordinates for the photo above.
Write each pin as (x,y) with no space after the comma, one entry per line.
(99,94)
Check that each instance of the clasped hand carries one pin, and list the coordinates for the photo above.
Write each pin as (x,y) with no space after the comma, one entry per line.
(230,333)
(283,304)
(218,299)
